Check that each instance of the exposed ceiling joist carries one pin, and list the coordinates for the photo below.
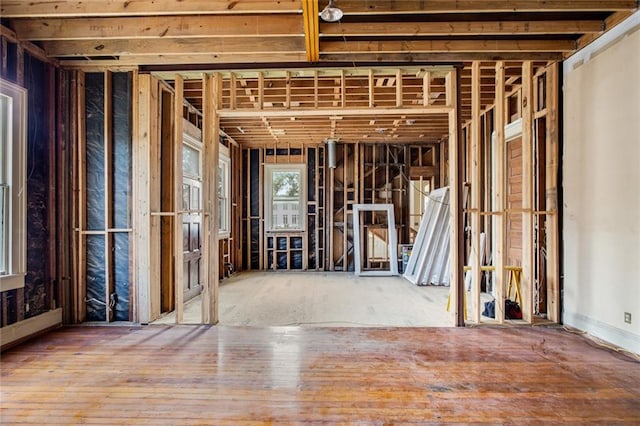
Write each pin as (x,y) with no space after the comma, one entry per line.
(444,46)
(174,46)
(371,7)
(127,27)
(88,8)
(444,28)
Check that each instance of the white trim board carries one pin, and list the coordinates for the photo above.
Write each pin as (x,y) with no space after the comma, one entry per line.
(29,327)
(622,338)
(393,239)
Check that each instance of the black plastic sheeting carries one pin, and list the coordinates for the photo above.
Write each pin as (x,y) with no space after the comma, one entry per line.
(121,276)
(311,222)
(245,223)
(94,113)
(281,243)
(311,174)
(296,259)
(12,66)
(121,97)
(96,303)
(254,183)
(254,179)
(95,193)
(311,241)
(36,291)
(295,256)
(296,242)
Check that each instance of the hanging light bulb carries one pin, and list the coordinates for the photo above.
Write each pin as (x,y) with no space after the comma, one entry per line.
(331,13)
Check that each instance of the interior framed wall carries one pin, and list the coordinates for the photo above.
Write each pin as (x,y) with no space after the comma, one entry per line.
(513,178)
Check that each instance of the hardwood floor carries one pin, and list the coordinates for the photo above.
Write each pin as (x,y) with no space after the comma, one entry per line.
(234,375)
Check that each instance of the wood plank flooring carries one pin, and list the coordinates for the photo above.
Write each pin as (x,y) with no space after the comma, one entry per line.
(237,375)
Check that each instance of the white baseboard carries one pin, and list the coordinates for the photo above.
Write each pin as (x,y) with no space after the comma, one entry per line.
(28,327)
(622,338)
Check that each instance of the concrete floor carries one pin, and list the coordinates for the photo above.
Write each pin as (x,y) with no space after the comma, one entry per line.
(323,299)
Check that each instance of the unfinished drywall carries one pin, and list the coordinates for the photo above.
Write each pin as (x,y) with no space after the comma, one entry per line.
(602,188)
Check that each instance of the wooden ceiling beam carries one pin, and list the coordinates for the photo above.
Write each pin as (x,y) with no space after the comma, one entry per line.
(187,60)
(91,8)
(157,27)
(310,18)
(443,46)
(377,7)
(250,45)
(410,29)
(225,113)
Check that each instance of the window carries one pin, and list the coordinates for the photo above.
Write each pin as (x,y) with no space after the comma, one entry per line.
(190,160)
(224,189)
(285,197)
(13,114)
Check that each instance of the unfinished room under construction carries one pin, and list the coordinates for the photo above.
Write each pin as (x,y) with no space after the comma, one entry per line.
(301,210)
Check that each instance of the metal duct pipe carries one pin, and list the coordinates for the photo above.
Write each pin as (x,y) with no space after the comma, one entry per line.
(331,156)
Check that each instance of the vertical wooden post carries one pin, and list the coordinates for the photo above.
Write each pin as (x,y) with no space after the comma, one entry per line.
(20,80)
(206,203)
(141,166)
(457,290)
(426,88)
(81,198)
(399,91)
(345,209)
(57,259)
(552,228)
(3,62)
(232,91)
(212,86)
(527,279)
(19,72)
(61,192)
(153,157)
(108,190)
(475,191)
(499,193)
(371,89)
(287,82)
(260,90)
(330,233)
(315,88)
(343,90)
(178,271)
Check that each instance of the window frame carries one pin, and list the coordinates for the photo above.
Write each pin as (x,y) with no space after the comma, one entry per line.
(225,161)
(16,163)
(302,209)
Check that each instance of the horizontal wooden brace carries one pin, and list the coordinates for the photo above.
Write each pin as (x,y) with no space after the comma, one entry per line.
(225,113)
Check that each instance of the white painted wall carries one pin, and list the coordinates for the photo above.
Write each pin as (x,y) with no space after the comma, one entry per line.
(601,180)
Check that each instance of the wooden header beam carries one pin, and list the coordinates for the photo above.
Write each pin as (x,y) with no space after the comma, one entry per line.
(88,8)
(312,40)
(252,113)
(359,7)
(157,27)
(161,46)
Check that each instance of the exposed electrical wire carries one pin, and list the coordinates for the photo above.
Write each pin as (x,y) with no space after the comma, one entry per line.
(99,302)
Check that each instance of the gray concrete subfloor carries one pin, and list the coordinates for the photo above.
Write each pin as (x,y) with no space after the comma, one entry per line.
(324,299)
